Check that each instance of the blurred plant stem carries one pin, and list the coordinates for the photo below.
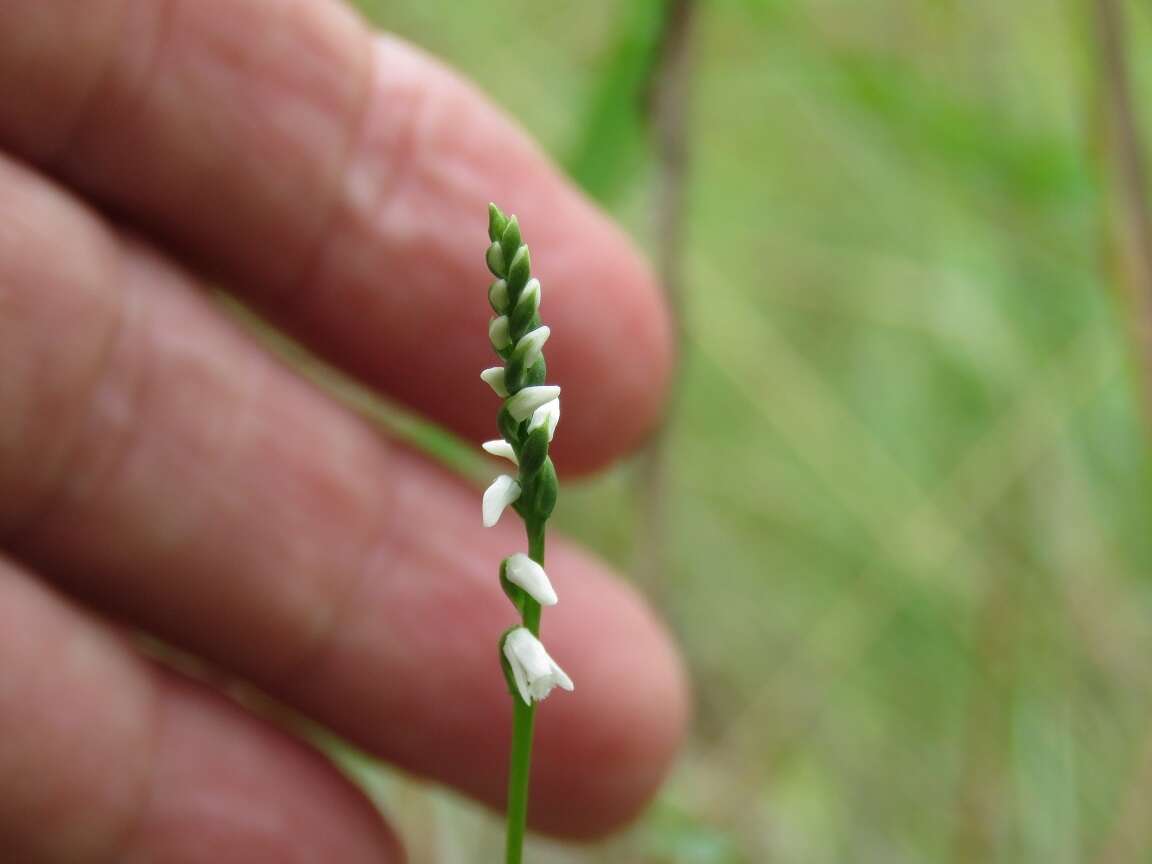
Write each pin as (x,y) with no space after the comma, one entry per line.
(667,120)
(980,806)
(1124,178)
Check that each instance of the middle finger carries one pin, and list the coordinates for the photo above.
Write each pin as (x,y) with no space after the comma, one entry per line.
(185,480)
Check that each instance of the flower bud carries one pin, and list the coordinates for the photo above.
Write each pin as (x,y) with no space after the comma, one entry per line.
(533,452)
(498,296)
(519,269)
(510,238)
(530,346)
(497,222)
(542,491)
(498,333)
(495,259)
(530,297)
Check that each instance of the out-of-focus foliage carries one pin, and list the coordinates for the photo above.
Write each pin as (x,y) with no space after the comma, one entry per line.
(910,496)
(610,147)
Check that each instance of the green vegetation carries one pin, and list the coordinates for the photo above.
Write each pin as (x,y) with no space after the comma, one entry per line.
(910,544)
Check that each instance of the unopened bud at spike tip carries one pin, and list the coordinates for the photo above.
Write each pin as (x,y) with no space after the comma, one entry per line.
(497,222)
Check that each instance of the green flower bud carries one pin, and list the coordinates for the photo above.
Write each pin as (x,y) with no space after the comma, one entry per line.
(510,239)
(534,451)
(529,348)
(522,318)
(498,333)
(498,296)
(497,222)
(541,496)
(519,271)
(495,259)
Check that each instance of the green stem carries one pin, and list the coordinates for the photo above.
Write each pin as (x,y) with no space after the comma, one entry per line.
(522,722)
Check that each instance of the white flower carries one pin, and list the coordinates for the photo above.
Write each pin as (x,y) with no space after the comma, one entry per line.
(531,344)
(501,448)
(534,672)
(493,376)
(530,296)
(498,333)
(503,491)
(523,571)
(529,399)
(548,415)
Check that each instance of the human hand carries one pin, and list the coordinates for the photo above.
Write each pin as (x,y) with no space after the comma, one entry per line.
(160,470)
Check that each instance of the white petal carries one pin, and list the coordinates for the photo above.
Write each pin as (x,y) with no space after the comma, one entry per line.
(501,448)
(503,491)
(532,344)
(514,662)
(523,571)
(529,399)
(498,333)
(547,414)
(494,378)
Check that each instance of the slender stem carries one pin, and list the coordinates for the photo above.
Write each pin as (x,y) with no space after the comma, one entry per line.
(524,715)
(523,718)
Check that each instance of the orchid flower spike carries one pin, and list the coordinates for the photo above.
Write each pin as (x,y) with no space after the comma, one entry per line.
(534,672)
(521,570)
(503,491)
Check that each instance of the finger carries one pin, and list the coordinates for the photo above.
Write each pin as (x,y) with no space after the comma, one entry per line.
(341,184)
(105,758)
(189,483)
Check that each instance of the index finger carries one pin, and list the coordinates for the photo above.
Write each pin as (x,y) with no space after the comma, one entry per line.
(339,182)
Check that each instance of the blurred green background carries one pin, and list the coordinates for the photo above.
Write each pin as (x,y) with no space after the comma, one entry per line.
(907,485)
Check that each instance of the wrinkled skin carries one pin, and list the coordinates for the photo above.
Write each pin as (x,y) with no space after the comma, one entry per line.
(163,474)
